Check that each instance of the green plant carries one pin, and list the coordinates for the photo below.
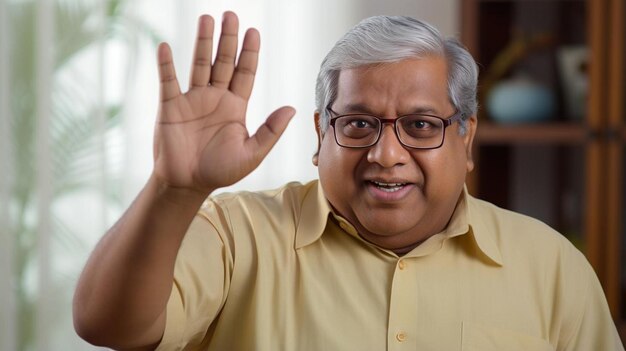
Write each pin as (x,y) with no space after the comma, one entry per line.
(74,132)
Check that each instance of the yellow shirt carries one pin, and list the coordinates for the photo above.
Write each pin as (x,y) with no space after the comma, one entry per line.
(278,270)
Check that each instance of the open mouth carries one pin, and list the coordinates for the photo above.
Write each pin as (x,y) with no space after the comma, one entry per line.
(388,187)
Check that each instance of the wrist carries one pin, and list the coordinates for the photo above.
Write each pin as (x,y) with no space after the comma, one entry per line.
(176,194)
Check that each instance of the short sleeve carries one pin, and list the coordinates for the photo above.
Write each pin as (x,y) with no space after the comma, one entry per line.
(595,329)
(201,282)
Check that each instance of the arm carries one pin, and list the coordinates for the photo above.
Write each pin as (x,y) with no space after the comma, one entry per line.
(201,144)
(594,329)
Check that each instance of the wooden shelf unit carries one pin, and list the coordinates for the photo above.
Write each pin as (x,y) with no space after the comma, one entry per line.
(537,133)
(598,140)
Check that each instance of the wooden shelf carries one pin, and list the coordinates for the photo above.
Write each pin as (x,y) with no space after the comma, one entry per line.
(488,1)
(587,161)
(536,133)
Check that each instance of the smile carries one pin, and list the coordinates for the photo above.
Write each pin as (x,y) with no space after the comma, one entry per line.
(389,187)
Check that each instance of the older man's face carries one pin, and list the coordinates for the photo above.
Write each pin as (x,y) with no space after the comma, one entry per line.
(361,184)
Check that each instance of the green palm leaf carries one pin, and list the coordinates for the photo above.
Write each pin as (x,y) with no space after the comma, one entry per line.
(75,133)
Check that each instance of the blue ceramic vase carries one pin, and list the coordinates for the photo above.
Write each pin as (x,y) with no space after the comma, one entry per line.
(520,100)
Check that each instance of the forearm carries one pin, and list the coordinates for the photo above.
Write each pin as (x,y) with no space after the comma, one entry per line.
(122,294)
(123,291)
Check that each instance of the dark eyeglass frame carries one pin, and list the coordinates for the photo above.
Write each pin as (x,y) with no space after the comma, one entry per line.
(458,116)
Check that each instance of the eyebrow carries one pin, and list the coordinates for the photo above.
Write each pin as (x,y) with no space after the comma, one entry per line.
(363,108)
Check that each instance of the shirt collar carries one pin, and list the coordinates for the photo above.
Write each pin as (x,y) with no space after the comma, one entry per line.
(314,216)
(483,235)
(465,220)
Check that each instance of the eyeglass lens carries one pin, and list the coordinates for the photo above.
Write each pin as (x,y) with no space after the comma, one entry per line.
(413,130)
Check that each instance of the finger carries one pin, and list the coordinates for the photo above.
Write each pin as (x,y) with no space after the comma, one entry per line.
(167,75)
(243,78)
(226,51)
(201,68)
(269,132)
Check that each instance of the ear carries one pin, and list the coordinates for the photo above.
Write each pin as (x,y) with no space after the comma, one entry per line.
(468,140)
(318,132)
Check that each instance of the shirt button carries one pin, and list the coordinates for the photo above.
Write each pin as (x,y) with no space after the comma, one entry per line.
(401,265)
(401,336)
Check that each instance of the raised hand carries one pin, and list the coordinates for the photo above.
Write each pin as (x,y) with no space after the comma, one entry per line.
(201,141)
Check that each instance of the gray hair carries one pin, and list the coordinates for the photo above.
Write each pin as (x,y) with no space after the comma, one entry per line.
(384,39)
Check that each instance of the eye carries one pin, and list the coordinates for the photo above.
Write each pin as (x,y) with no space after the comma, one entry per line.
(420,124)
(357,126)
(417,126)
(360,124)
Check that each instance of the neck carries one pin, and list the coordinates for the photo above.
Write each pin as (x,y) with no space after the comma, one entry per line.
(401,251)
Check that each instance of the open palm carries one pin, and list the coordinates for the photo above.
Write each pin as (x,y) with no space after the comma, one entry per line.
(201,140)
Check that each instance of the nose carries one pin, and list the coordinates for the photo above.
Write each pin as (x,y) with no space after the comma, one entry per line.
(388,151)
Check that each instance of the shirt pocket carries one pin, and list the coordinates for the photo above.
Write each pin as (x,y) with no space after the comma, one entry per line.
(476,337)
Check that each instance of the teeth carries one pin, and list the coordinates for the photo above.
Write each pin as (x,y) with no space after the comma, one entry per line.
(388,187)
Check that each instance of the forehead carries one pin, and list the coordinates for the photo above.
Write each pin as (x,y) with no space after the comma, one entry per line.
(402,85)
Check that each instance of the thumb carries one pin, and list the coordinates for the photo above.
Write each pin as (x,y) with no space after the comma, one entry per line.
(269,132)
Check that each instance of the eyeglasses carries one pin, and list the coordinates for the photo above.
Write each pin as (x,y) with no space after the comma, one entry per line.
(417,131)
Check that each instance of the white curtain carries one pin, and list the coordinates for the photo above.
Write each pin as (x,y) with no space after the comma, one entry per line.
(78,99)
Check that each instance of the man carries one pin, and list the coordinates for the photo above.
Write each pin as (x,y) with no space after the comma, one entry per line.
(386,251)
